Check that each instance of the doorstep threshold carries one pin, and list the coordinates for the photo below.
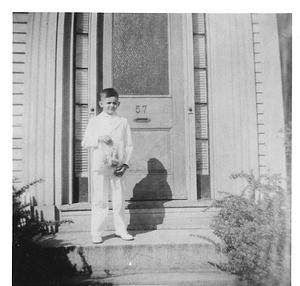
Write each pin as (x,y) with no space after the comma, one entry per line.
(85,206)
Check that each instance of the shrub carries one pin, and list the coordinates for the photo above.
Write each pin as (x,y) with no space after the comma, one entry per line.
(31,266)
(254,231)
(25,226)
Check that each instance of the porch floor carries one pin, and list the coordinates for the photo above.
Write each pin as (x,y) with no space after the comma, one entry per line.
(141,237)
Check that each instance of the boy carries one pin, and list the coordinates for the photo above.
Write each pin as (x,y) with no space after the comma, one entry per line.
(108,131)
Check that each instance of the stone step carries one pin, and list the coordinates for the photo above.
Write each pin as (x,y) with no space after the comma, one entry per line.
(145,219)
(151,250)
(182,278)
(174,255)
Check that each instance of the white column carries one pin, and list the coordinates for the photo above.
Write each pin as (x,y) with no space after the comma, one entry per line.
(232,114)
(39,118)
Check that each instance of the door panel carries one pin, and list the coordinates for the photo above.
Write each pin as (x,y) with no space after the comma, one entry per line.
(144,61)
(150,176)
(147,112)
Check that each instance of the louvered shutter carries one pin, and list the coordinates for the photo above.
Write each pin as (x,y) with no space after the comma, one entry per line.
(81,92)
(201,105)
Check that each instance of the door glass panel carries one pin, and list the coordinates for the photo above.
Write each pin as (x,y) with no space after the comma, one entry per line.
(140,47)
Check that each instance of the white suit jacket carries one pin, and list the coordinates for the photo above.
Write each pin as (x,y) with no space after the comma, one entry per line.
(117,128)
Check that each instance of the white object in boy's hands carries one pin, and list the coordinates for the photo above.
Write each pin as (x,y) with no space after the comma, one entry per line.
(114,157)
(108,159)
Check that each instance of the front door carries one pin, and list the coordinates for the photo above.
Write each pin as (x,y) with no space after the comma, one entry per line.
(143,60)
(144,57)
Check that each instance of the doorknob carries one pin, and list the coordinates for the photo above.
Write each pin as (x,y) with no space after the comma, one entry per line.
(92,109)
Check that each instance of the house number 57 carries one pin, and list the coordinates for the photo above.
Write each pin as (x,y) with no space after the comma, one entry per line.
(140,108)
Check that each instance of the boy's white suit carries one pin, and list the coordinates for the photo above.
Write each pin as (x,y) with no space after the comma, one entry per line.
(118,129)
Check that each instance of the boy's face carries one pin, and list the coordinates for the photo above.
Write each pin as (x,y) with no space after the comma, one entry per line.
(109,104)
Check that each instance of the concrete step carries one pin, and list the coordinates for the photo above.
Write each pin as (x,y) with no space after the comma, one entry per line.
(144,218)
(151,250)
(159,257)
(182,278)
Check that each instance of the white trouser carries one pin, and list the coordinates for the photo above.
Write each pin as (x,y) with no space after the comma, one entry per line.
(102,185)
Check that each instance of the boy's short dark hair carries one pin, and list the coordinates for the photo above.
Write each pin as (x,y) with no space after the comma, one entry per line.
(108,92)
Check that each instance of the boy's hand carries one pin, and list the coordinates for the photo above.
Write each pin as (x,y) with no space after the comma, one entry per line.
(105,139)
(119,172)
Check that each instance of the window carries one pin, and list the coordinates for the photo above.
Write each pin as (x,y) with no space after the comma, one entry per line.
(140,54)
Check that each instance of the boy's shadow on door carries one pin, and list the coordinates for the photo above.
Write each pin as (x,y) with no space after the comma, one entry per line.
(146,206)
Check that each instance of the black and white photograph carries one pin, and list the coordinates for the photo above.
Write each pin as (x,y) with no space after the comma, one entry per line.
(151,147)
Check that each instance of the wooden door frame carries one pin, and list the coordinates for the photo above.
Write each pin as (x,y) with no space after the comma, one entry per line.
(92,82)
(64,185)
(190,114)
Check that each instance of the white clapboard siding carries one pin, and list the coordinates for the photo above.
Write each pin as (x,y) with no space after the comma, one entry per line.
(18,144)
(18,78)
(259,89)
(19,47)
(18,67)
(19,38)
(18,110)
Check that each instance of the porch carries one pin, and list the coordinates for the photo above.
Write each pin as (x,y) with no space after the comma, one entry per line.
(173,245)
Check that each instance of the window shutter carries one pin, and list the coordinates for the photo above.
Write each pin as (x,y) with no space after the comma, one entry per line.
(199,51)
(81,154)
(201,105)
(81,86)
(81,92)
(198,23)
(200,86)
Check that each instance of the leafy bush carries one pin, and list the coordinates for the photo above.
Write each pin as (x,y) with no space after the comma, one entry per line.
(31,266)
(25,226)
(254,230)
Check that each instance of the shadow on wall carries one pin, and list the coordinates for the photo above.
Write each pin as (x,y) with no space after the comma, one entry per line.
(149,195)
